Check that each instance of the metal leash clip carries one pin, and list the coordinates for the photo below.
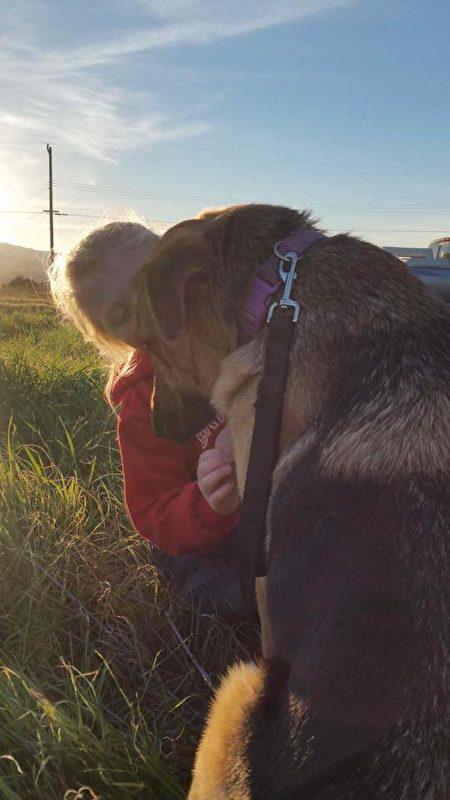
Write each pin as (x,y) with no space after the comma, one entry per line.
(288,277)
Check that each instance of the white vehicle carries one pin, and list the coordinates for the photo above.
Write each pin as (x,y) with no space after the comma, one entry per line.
(441,247)
(430,264)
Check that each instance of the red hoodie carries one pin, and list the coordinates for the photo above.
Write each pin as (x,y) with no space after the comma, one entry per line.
(161,491)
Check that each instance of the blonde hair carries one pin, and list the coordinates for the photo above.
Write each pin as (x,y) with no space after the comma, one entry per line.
(68,272)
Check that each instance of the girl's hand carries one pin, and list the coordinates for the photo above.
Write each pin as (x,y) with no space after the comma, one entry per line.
(216,478)
(224,441)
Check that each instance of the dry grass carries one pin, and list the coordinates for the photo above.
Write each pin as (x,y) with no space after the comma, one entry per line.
(99,693)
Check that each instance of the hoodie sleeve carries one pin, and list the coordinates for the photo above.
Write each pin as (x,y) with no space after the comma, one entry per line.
(163,501)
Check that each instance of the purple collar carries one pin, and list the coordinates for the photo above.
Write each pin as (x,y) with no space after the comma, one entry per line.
(268,281)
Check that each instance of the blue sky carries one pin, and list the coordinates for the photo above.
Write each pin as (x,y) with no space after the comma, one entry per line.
(167,106)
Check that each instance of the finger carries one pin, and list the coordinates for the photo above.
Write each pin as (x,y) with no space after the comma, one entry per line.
(214,479)
(222,493)
(227,452)
(207,465)
(210,455)
(224,439)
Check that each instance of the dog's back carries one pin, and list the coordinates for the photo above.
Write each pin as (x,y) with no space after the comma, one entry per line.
(356,701)
(361,701)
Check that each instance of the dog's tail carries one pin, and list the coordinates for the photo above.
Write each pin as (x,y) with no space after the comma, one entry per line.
(222,744)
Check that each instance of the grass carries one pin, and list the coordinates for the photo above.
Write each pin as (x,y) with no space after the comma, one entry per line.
(99,697)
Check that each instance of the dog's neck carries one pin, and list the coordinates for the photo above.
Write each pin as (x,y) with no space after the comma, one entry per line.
(268,280)
(234,392)
(241,243)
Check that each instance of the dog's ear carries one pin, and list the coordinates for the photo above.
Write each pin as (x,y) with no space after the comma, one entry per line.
(177,265)
(167,285)
(213,213)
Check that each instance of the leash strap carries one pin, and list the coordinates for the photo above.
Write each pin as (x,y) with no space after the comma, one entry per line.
(263,455)
(283,314)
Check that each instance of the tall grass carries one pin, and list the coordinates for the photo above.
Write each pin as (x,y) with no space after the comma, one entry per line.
(99,693)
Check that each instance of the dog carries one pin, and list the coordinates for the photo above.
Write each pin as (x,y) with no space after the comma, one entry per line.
(351,697)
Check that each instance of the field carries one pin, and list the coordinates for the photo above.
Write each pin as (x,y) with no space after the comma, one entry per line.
(101,695)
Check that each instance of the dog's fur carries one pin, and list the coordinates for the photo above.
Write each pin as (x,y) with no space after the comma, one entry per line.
(352,700)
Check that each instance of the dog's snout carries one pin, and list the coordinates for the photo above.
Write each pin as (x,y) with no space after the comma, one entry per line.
(175,416)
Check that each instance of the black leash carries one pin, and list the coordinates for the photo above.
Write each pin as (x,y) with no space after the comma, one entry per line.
(283,315)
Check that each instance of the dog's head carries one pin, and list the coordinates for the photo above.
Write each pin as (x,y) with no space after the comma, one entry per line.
(196,280)
(187,336)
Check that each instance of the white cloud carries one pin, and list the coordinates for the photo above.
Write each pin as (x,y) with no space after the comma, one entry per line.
(56,92)
(194,22)
(80,111)
(268,12)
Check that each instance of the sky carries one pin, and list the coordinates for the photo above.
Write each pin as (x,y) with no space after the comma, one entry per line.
(162,107)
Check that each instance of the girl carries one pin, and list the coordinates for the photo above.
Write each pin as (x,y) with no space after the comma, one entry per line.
(182,498)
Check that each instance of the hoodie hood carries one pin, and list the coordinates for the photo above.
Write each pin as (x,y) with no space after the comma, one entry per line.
(138,368)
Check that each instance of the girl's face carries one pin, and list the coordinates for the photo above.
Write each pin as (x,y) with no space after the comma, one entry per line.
(112,296)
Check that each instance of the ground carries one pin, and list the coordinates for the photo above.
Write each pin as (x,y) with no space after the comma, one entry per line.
(98,696)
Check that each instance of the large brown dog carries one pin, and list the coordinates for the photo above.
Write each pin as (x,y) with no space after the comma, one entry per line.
(352,699)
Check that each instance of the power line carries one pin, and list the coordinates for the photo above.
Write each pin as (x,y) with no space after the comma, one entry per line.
(37,193)
(390,230)
(330,230)
(136,194)
(344,205)
(29,195)
(174,222)
(36,214)
(103,216)
(74,214)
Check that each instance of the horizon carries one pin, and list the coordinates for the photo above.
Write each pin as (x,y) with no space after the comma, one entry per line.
(167,107)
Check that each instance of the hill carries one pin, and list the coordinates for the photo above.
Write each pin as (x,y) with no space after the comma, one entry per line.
(24,261)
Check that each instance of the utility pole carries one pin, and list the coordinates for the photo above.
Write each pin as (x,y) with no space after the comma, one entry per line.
(50,203)
(50,211)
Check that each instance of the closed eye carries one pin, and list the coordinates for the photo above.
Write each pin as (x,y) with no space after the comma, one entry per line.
(118,316)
